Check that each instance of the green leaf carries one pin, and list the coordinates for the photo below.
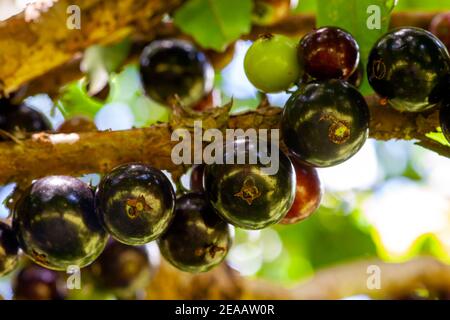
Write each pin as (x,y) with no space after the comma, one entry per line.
(75,101)
(99,61)
(215,24)
(126,88)
(352,15)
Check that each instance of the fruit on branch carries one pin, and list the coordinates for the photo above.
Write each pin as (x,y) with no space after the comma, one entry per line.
(135,203)
(409,67)
(357,78)
(37,283)
(122,269)
(269,12)
(325,123)
(308,194)
(197,240)
(445,118)
(249,195)
(77,124)
(56,224)
(440,27)
(173,67)
(329,53)
(20,119)
(8,250)
(271,63)
(196,179)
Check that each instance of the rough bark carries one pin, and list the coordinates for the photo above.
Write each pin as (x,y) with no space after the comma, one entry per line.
(31,49)
(397,280)
(80,153)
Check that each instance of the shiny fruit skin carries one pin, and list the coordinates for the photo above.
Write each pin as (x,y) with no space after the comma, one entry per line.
(308,194)
(34,282)
(196,179)
(122,269)
(329,53)
(445,118)
(175,67)
(440,27)
(77,124)
(56,224)
(269,12)
(135,203)
(409,67)
(325,123)
(246,196)
(357,78)
(19,119)
(197,240)
(271,63)
(8,250)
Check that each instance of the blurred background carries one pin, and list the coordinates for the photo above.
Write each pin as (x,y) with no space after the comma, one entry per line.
(392,200)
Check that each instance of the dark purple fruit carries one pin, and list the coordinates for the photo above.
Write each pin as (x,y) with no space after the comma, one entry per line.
(445,118)
(77,124)
(329,53)
(135,202)
(246,195)
(56,224)
(8,250)
(196,181)
(308,194)
(122,269)
(20,119)
(440,27)
(37,283)
(197,240)
(325,123)
(410,67)
(175,67)
(357,78)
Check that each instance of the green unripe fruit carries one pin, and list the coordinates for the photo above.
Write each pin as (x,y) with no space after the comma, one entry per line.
(271,63)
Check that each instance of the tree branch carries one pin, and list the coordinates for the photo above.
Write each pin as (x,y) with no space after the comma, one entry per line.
(396,280)
(32,49)
(98,152)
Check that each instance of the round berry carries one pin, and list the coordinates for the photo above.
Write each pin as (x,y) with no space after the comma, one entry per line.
(175,67)
(77,124)
(196,181)
(409,67)
(253,195)
(197,240)
(329,53)
(8,250)
(36,283)
(135,202)
(20,119)
(271,63)
(445,118)
(357,78)
(122,269)
(307,196)
(56,224)
(440,27)
(325,123)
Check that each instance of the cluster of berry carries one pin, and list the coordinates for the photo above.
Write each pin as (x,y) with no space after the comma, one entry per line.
(326,121)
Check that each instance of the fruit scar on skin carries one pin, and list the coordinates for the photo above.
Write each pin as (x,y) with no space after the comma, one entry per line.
(249,191)
(339,131)
(42,258)
(137,206)
(212,249)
